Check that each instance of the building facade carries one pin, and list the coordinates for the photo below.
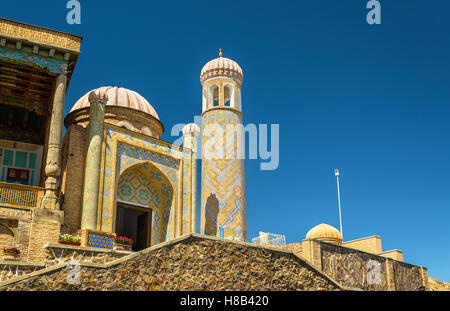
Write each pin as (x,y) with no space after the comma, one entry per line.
(112,175)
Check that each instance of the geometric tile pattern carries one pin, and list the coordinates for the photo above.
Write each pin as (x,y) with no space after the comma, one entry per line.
(172,164)
(143,184)
(129,156)
(135,188)
(223,192)
(190,186)
(102,240)
(93,167)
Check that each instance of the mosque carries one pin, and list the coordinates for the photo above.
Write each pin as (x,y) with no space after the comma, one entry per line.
(112,175)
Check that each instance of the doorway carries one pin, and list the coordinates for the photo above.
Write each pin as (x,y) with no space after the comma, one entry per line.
(135,223)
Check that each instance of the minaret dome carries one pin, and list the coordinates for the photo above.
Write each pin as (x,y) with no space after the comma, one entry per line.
(221,79)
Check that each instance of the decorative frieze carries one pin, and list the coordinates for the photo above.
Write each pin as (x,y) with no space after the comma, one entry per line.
(39,34)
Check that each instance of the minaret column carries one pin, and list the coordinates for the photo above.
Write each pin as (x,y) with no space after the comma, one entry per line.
(53,165)
(223,206)
(191,132)
(91,196)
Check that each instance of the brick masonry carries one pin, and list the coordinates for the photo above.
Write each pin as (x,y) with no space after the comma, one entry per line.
(74,152)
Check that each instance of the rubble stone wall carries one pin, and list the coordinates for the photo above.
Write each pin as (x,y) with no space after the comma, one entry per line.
(366,271)
(191,262)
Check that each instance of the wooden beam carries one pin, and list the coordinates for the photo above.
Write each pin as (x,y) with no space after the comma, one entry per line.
(26,93)
(29,73)
(30,68)
(32,82)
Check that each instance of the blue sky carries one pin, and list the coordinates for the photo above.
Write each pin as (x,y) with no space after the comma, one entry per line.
(373,101)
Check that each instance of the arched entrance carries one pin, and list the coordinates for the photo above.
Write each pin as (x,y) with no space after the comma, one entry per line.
(144,201)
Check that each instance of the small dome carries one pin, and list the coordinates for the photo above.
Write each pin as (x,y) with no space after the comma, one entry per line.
(121,97)
(191,128)
(124,108)
(221,67)
(325,233)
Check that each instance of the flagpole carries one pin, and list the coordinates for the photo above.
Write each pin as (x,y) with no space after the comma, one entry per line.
(336,173)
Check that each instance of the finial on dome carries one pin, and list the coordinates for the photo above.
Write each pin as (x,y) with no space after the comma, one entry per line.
(98,95)
(220,53)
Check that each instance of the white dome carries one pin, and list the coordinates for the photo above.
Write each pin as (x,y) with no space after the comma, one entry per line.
(221,67)
(121,97)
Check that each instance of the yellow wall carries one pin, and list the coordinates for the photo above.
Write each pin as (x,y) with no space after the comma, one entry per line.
(394,254)
(371,244)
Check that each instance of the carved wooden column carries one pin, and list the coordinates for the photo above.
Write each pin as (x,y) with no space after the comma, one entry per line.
(53,165)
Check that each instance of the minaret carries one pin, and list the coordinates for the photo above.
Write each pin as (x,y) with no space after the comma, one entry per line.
(190,133)
(223,191)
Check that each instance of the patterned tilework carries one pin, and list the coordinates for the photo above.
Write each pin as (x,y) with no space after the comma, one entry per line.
(125,150)
(194,194)
(135,188)
(223,190)
(143,184)
(53,65)
(102,240)
(93,168)
(190,185)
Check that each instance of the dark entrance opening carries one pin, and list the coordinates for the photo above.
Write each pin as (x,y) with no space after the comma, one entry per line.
(135,223)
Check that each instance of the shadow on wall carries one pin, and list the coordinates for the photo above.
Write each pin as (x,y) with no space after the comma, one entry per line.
(6,237)
(212,210)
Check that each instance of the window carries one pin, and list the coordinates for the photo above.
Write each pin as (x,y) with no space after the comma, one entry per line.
(227,96)
(213,96)
(18,166)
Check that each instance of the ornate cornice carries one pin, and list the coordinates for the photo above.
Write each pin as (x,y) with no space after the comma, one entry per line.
(53,65)
(40,35)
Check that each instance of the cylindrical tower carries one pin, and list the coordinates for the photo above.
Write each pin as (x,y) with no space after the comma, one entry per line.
(223,190)
(190,133)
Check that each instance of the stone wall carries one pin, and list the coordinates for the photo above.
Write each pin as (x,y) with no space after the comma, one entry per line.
(358,269)
(352,268)
(296,248)
(192,262)
(58,253)
(10,269)
(407,277)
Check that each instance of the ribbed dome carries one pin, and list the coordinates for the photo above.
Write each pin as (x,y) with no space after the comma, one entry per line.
(325,233)
(121,97)
(221,67)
